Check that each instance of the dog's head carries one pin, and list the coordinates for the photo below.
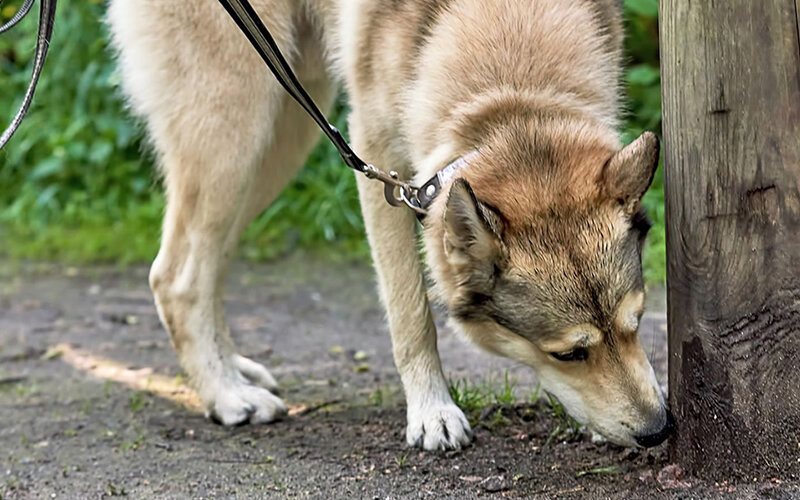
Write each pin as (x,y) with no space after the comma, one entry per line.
(542,263)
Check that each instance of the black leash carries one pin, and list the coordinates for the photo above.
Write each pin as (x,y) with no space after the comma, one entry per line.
(47,13)
(397,192)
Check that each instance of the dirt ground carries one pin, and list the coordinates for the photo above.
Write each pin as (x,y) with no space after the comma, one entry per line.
(92,403)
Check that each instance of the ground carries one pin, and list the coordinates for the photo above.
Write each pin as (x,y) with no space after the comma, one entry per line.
(92,403)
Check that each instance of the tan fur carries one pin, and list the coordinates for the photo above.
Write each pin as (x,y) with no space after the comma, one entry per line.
(532,86)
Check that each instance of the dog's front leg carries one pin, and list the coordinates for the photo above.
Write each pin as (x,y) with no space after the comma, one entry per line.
(434,421)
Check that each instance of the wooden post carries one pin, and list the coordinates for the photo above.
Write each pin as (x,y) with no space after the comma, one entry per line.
(731,99)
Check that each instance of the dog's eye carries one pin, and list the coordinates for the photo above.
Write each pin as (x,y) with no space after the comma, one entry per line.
(579,354)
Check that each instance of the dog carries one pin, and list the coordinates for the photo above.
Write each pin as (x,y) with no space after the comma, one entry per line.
(534,245)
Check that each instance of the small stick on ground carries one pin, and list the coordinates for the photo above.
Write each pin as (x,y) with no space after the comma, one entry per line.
(305,409)
(12,380)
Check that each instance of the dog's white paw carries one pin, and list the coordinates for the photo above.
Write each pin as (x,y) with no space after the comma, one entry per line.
(598,438)
(441,426)
(242,402)
(243,395)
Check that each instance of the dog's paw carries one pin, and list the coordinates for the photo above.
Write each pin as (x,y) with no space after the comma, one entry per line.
(438,427)
(597,438)
(243,395)
(243,402)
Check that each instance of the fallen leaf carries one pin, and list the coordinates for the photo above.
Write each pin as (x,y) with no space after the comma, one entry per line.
(52,353)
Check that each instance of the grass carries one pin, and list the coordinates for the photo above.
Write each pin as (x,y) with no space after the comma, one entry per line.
(474,399)
(564,424)
(470,398)
(137,401)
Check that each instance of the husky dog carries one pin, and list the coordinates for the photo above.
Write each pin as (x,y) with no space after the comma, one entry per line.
(534,245)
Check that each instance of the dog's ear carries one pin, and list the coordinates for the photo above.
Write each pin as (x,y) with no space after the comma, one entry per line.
(471,228)
(628,173)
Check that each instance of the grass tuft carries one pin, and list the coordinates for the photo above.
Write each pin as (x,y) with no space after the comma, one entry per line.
(565,425)
(484,403)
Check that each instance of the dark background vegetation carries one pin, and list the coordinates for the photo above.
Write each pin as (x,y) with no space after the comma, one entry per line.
(77,183)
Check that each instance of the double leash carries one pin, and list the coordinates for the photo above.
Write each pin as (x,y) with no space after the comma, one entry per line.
(47,13)
(398,193)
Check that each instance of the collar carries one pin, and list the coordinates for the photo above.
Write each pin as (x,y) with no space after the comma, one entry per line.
(433,187)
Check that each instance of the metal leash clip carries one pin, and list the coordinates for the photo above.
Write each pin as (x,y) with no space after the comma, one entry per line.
(396,192)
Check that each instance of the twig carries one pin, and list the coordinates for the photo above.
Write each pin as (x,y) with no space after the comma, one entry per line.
(316,407)
(12,380)
(240,461)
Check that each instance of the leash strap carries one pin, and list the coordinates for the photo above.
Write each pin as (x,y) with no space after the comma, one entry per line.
(251,25)
(47,14)
(396,192)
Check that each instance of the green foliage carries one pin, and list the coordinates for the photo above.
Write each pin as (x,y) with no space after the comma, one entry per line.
(137,401)
(645,8)
(643,83)
(72,184)
(506,395)
(471,398)
(77,182)
(474,399)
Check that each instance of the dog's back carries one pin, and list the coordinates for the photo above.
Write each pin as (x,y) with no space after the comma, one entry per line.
(414,62)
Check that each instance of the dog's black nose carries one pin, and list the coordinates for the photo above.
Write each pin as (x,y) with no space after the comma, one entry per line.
(655,439)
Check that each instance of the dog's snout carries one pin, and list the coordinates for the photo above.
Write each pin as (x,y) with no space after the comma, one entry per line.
(656,438)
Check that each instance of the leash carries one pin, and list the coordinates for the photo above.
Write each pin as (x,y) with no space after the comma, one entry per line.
(398,193)
(47,12)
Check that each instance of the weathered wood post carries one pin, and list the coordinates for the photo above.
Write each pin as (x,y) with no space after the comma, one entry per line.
(731,99)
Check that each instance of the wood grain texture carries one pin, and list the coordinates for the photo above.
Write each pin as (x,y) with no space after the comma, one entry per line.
(731,99)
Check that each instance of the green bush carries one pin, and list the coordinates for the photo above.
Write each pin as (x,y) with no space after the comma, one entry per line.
(78,184)
(72,184)
(644,113)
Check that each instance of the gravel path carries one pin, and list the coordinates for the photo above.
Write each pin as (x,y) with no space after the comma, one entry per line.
(92,403)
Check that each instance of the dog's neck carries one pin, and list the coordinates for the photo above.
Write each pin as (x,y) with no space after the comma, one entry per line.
(526,126)
(548,146)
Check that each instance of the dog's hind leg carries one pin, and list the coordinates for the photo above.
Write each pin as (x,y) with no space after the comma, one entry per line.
(434,421)
(228,143)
